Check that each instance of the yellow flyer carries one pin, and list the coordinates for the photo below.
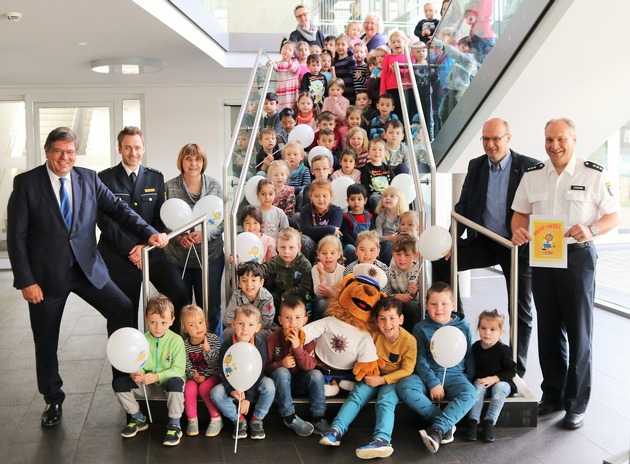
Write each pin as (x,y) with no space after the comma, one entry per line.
(548,246)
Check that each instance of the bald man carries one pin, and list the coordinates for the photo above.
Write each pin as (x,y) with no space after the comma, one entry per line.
(486,199)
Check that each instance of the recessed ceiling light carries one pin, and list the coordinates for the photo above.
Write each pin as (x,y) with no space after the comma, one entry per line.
(82,44)
(12,16)
(126,66)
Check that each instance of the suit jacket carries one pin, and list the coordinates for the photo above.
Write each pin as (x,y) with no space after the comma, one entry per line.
(41,248)
(145,197)
(472,201)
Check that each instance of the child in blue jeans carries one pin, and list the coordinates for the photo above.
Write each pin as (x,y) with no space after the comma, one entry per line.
(493,370)
(246,327)
(396,349)
(421,390)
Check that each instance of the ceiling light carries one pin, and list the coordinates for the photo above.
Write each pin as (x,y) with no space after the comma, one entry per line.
(82,44)
(126,66)
(12,16)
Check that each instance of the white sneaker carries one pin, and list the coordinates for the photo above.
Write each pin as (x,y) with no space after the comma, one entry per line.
(347,385)
(331,389)
(192,429)
(449,437)
(214,427)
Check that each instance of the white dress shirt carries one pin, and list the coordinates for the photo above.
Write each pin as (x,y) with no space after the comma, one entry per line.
(56,183)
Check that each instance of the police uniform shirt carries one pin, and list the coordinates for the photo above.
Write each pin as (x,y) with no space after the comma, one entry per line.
(579,195)
(128,171)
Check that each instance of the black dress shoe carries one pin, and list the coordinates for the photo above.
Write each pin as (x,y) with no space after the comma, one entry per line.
(573,420)
(51,415)
(546,407)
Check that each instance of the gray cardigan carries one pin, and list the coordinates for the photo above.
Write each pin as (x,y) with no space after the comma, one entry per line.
(176,188)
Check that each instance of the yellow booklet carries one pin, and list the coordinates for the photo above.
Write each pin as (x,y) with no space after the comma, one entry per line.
(548,246)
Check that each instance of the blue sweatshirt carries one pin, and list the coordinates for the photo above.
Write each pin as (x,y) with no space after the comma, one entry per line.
(429,371)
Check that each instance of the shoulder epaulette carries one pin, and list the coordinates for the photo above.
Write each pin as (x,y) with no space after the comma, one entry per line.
(535,167)
(597,167)
(155,171)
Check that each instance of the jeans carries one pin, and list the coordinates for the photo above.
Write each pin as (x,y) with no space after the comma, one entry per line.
(460,393)
(227,405)
(192,389)
(311,382)
(386,401)
(498,393)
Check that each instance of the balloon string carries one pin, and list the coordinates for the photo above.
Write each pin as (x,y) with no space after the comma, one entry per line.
(261,163)
(444,377)
(238,420)
(186,262)
(146,398)
(197,255)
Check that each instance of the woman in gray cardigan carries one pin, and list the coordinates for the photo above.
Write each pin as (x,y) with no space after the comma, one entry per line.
(191,185)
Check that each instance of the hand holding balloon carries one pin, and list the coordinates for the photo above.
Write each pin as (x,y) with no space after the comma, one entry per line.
(437,393)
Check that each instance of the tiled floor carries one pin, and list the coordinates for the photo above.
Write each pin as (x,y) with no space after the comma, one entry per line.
(92,418)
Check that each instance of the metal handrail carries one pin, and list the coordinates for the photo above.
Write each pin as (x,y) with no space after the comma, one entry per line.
(425,134)
(413,166)
(248,156)
(203,220)
(513,294)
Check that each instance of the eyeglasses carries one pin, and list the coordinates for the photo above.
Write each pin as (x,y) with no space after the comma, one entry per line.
(492,139)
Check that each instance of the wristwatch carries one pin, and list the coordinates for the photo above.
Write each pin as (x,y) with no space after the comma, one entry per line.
(594,230)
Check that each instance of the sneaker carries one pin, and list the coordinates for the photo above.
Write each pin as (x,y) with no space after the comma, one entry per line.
(448,437)
(431,439)
(256,430)
(471,431)
(331,389)
(299,426)
(488,431)
(347,385)
(377,448)
(331,438)
(173,436)
(321,426)
(242,429)
(192,428)
(214,427)
(133,427)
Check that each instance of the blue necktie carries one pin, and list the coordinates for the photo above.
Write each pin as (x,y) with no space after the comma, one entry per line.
(64,203)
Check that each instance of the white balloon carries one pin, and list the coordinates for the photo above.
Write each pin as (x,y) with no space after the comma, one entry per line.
(250,190)
(302,133)
(242,365)
(404,183)
(249,247)
(448,346)
(434,243)
(340,191)
(127,349)
(175,213)
(319,150)
(212,206)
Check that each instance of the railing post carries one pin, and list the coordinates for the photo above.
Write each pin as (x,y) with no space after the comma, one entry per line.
(514,302)
(454,271)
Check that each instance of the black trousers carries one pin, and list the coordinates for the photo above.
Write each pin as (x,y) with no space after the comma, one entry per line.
(164,275)
(564,302)
(46,316)
(482,252)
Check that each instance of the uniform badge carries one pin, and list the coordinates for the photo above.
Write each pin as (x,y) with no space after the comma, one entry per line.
(148,190)
(578,187)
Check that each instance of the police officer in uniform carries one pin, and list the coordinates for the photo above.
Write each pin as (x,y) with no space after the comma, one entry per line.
(575,190)
(142,188)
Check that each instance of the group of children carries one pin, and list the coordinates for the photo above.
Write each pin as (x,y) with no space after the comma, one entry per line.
(188,367)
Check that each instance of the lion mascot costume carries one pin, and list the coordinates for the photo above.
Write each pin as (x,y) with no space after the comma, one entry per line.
(345,350)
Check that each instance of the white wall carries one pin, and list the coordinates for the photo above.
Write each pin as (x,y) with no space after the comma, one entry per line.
(173,115)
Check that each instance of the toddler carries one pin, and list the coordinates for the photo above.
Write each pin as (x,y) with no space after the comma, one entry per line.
(348,162)
(165,369)
(397,353)
(355,221)
(315,50)
(268,149)
(385,108)
(357,142)
(287,76)
(246,327)
(409,224)
(396,150)
(368,247)
(388,211)
(404,276)
(335,102)
(273,217)
(293,369)
(202,369)
(353,32)
(327,68)
(302,51)
(376,174)
(344,66)
(299,175)
(326,120)
(419,391)
(287,123)
(251,221)
(361,73)
(278,174)
(314,82)
(493,371)
(289,270)
(250,291)
(327,273)
(306,110)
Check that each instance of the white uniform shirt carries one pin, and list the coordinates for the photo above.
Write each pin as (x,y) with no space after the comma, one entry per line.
(579,195)
(340,345)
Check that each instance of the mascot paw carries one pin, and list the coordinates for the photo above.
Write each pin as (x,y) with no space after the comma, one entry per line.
(331,389)
(362,369)
(346,385)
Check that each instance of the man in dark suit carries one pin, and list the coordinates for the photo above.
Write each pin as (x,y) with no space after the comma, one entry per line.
(142,188)
(52,247)
(486,199)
